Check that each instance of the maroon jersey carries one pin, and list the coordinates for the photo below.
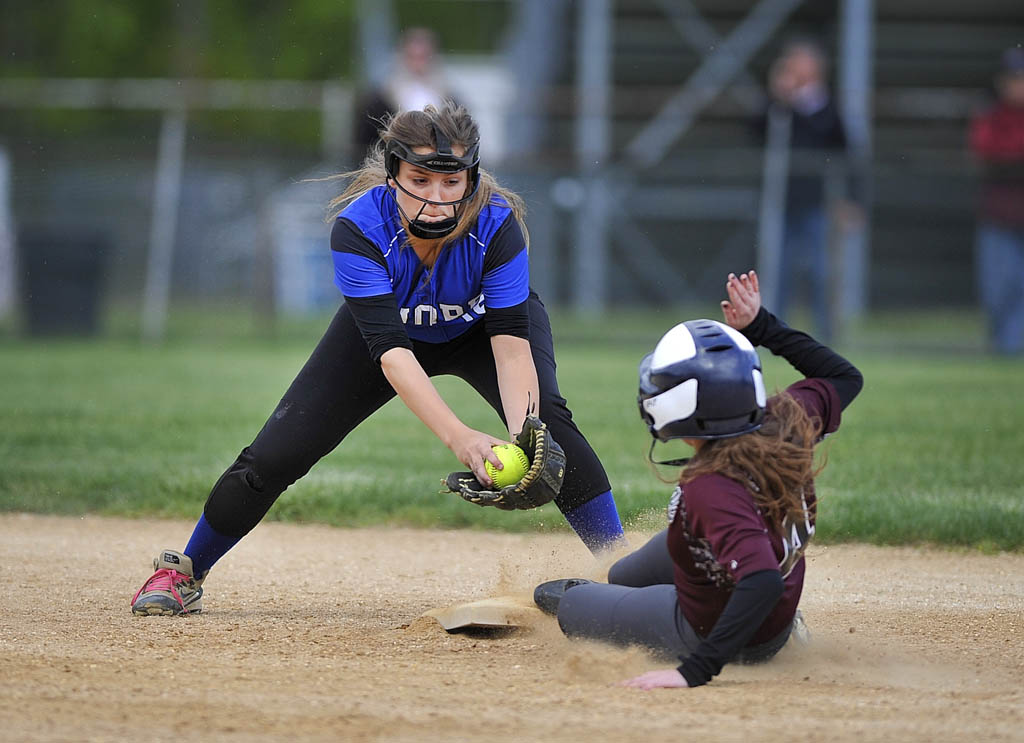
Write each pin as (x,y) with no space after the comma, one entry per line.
(717,535)
(997,139)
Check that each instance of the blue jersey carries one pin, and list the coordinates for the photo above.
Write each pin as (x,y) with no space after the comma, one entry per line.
(486,268)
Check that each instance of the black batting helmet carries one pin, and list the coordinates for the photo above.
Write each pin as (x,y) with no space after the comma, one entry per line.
(702,381)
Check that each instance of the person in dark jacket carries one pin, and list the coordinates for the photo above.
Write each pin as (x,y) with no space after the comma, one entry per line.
(802,117)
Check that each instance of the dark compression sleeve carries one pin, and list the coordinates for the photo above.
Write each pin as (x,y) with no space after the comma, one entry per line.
(379,323)
(513,320)
(808,356)
(751,602)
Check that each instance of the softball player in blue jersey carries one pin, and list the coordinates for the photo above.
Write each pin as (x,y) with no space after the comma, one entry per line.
(430,254)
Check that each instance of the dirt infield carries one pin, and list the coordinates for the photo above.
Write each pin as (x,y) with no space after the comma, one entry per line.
(312,633)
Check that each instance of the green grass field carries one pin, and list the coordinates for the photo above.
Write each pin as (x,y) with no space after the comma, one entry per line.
(931,452)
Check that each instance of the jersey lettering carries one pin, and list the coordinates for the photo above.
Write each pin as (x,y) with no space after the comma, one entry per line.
(451,311)
(425,310)
(795,536)
(673,504)
(425,314)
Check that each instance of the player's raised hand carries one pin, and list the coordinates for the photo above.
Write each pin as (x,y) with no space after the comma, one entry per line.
(744,300)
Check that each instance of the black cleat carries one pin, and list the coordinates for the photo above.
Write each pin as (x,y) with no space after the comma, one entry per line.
(548,595)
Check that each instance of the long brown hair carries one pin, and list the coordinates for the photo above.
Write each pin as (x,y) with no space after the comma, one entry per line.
(774,463)
(416,129)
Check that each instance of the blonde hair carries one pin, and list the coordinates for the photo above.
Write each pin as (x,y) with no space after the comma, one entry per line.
(774,463)
(416,129)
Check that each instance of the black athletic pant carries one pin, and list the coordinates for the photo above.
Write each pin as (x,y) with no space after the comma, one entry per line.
(340,386)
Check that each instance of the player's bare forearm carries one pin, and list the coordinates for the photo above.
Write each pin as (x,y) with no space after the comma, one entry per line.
(517,379)
(418,393)
(415,389)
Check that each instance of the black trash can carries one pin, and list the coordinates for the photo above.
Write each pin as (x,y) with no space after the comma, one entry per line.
(60,279)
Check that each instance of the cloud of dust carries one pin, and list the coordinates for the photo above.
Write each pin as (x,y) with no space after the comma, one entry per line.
(835,655)
(550,557)
(850,658)
(547,557)
(585,660)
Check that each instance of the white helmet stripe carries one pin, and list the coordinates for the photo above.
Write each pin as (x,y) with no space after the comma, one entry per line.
(675,404)
(738,338)
(676,345)
(759,393)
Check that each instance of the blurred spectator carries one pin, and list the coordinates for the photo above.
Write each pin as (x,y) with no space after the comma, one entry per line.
(416,79)
(802,116)
(997,140)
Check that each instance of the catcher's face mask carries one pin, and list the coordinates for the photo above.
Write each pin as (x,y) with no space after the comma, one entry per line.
(440,160)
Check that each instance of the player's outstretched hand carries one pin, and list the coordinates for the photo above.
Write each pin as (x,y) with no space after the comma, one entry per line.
(538,486)
(472,448)
(744,300)
(668,678)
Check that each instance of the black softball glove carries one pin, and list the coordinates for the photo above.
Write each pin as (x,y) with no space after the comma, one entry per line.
(539,485)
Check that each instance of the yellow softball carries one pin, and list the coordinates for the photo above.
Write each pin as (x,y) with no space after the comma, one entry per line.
(516,465)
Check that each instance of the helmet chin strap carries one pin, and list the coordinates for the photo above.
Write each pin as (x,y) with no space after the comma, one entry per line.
(669,462)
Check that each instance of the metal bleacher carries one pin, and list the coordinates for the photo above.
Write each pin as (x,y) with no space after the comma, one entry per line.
(933,65)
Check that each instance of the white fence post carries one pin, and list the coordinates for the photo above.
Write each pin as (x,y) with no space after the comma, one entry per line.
(7,232)
(166,199)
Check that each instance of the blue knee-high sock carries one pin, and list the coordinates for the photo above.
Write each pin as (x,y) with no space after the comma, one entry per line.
(206,546)
(596,522)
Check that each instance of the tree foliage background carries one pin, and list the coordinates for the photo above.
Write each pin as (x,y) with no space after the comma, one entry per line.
(236,39)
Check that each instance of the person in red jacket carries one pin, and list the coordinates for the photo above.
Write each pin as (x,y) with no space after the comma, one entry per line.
(997,141)
(722,583)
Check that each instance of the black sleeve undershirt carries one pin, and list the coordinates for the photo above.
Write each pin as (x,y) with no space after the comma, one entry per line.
(808,356)
(379,323)
(751,602)
(514,320)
